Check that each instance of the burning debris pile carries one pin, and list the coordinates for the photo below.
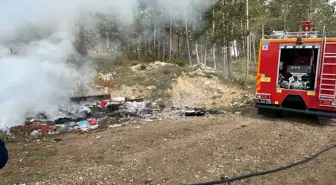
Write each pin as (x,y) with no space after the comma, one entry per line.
(196,88)
(91,115)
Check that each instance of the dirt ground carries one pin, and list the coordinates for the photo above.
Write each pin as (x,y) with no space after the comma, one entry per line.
(178,152)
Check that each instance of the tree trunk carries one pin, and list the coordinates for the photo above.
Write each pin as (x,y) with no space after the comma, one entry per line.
(247,63)
(126,50)
(254,49)
(214,56)
(154,36)
(229,63)
(178,45)
(235,49)
(107,41)
(205,56)
(262,28)
(80,42)
(145,42)
(163,49)
(214,45)
(250,49)
(187,36)
(196,46)
(248,42)
(224,60)
(196,52)
(170,37)
(158,50)
(201,54)
(243,50)
(284,19)
(138,51)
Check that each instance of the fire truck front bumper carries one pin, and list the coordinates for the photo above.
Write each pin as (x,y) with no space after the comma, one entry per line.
(279,108)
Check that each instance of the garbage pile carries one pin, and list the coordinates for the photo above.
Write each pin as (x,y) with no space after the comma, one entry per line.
(151,66)
(90,116)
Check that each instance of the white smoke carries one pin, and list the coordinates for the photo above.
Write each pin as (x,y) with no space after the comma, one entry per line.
(39,78)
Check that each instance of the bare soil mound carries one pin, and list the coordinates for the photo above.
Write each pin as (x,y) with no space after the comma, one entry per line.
(194,86)
(200,89)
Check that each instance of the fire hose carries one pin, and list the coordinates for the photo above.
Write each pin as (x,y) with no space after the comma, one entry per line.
(232,179)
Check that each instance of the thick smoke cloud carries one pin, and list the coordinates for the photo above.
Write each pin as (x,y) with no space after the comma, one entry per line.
(39,78)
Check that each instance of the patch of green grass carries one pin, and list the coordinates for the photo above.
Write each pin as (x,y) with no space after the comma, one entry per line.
(36,155)
(179,61)
(135,62)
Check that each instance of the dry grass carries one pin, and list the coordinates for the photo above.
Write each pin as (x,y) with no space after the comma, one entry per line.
(199,89)
(130,82)
(36,155)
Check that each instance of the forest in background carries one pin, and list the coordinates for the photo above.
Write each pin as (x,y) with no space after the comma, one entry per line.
(229,26)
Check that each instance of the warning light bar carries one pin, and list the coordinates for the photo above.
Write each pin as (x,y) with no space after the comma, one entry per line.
(299,40)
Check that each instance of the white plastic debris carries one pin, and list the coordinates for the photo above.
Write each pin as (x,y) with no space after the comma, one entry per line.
(118,99)
(35,133)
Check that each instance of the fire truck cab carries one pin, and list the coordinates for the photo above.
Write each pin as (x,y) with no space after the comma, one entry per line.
(297,72)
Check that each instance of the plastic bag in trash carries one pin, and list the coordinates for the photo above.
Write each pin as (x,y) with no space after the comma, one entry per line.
(84,123)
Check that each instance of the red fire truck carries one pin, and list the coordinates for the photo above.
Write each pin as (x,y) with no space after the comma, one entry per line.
(297,72)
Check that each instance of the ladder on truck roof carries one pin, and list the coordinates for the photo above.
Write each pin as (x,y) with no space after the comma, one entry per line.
(327,90)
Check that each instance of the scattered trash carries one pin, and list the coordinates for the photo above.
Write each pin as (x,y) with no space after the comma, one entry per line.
(93,127)
(194,113)
(115,126)
(47,128)
(92,121)
(35,133)
(118,99)
(92,115)
(98,137)
(83,123)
